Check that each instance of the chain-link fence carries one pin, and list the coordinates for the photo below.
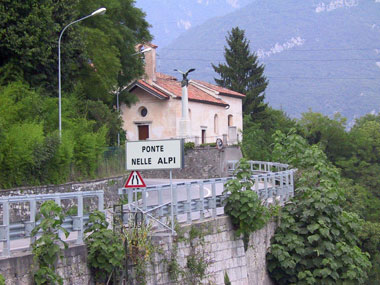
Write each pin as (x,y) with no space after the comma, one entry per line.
(112,162)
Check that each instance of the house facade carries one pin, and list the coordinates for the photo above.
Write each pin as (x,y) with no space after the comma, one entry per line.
(213,112)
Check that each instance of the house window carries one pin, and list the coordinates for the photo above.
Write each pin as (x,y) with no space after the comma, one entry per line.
(230,121)
(216,129)
(143,111)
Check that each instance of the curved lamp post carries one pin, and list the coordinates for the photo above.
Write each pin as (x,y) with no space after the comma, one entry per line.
(100,11)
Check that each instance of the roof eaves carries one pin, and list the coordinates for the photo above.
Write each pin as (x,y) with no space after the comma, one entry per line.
(231,95)
(222,103)
(219,89)
(149,89)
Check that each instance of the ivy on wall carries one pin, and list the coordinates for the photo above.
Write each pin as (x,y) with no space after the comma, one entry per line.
(243,205)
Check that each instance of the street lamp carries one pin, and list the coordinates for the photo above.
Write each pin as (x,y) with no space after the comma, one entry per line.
(100,11)
(118,92)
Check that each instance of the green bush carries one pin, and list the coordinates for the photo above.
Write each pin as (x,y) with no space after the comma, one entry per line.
(46,248)
(189,145)
(370,242)
(31,151)
(243,205)
(19,150)
(2,280)
(105,247)
(316,241)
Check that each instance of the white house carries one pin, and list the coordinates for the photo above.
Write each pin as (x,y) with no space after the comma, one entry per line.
(213,112)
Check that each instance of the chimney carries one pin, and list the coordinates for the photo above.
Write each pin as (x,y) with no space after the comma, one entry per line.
(150,61)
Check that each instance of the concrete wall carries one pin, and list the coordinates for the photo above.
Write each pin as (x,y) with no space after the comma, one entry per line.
(201,163)
(223,251)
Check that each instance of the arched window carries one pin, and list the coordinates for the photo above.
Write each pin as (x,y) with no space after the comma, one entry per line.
(216,127)
(230,121)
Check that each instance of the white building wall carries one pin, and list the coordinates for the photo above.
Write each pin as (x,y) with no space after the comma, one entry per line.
(161,117)
(164,115)
(202,115)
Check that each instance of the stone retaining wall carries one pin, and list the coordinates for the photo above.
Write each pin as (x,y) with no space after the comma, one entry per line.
(201,163)
(17,270)
(221,249)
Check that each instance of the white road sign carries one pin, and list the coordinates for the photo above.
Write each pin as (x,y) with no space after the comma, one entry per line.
(154,155)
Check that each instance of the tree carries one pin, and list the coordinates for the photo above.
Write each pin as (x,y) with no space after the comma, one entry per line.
(330,134)
(97,57)
(258,136)
(96,53)
(242,73)
(317,242)
(29,33)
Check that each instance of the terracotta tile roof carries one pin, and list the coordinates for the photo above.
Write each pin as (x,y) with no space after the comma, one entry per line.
(194,93)
(149,88)
(166,86)
(221,90)
(165,76)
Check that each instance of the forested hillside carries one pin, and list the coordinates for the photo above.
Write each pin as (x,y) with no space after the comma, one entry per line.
(329,232)
(338,176)
(97,59)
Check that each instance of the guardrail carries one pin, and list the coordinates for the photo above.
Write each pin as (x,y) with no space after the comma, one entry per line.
(193,200)
(259,166)
(273,182)
(21,230)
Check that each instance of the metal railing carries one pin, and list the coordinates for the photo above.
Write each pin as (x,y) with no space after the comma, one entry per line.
(195,200)
(21,230)
(259,166)
(192,200)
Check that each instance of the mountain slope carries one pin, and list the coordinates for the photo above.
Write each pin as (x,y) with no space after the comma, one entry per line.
(170,18)
(320,55)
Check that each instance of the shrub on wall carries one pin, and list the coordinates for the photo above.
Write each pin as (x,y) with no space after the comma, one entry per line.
(243,205)
(46,249)
(105,248)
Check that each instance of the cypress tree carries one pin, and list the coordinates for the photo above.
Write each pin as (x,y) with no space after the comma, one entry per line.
(243,73)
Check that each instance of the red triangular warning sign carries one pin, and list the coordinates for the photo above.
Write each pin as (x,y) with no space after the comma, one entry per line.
(134,180)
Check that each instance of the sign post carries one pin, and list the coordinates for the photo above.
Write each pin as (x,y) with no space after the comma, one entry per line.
(154,155)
